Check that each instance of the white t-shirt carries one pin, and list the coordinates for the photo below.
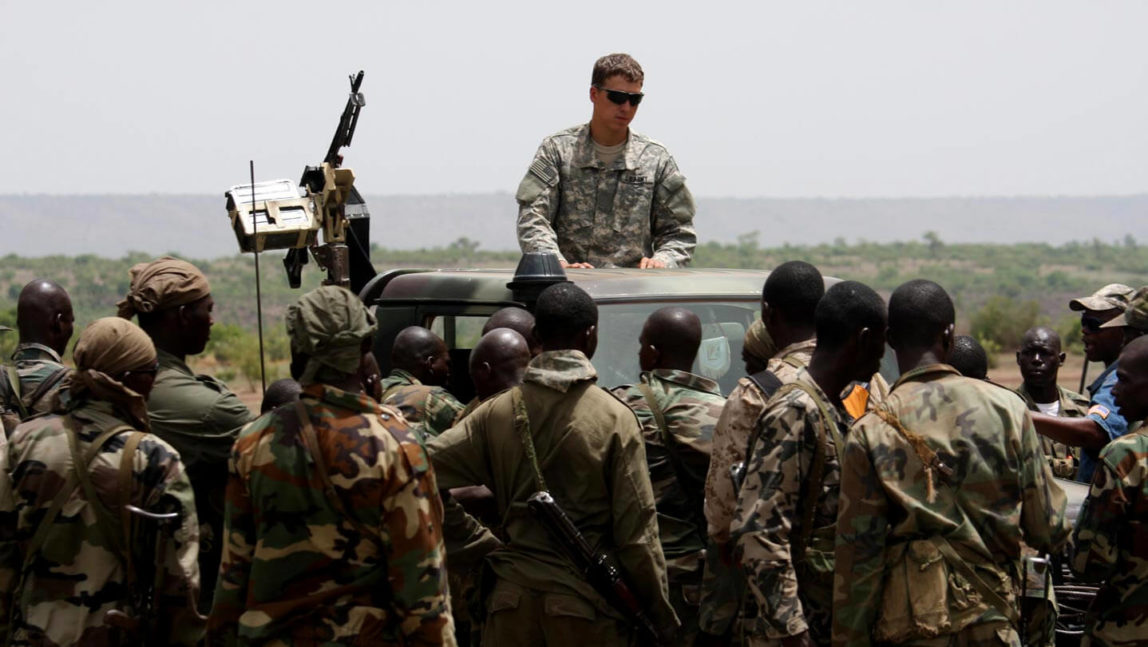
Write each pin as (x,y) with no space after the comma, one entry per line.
(1049,408)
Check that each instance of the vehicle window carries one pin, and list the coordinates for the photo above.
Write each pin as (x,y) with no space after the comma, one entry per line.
(459,331)
(719,357)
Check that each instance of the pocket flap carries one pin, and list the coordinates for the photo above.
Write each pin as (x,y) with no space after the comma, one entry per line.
(502,599)
(571,606)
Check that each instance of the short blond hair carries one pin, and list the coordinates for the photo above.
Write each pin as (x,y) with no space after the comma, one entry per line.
(615,64)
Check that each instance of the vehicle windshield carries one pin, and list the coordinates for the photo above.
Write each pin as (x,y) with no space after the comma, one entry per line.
(719,358)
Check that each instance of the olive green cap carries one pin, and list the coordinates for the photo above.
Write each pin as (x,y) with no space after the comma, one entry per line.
(1113,296)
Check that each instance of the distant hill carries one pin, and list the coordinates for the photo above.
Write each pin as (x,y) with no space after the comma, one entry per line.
(196,225)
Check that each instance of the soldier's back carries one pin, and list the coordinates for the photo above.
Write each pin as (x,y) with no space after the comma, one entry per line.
(28,385)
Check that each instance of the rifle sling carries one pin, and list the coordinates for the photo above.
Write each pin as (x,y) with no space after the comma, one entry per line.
(671,444)
(46,386)
(13,396)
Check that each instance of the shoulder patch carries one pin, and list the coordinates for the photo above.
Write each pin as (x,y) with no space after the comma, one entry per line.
(545,172)
(1100,410)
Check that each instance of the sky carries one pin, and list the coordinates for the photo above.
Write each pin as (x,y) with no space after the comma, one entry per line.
(762,99)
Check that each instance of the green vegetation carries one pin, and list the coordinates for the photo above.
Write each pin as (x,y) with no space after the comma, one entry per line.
(1000,290)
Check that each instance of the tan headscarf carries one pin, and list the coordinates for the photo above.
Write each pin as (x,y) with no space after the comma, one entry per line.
(107,348)
(329,324)
(161,284)
(758,343)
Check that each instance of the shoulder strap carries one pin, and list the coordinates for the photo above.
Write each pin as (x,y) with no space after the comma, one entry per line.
(526,435)
(671,443)
(990,596)
(46,386)
(766,382)
(928,457)
(125,490)
(311,444)
(14,396)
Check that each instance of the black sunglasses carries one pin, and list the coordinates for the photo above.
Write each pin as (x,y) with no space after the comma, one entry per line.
(1091,324)
(619,97)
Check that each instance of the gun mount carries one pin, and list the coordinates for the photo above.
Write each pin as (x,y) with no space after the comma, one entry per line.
(282,215)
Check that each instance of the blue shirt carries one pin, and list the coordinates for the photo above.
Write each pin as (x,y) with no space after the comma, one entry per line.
(1103,410)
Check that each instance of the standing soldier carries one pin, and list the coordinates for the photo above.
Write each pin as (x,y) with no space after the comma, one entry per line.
(600,194)
(421,370)
(560,429)
(1040,359)
(787,508)
(68,552)
(938,488)
(788,303)
(1109,540)
(197,414)
(677,411)
(44,319)
(333,516)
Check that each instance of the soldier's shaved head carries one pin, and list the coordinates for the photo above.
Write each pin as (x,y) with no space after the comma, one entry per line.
(518,320)
(566,318)
(969,357)
(1041,334)
(280,392)
(1131,390)
(498,361)
(793,289)
(920,313)
(44,315)
(423,354)
(670,339)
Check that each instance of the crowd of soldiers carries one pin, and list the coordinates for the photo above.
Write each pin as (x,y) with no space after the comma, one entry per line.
(141,503)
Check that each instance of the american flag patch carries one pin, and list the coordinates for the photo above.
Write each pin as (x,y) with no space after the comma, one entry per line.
(1100,410)
(544,171)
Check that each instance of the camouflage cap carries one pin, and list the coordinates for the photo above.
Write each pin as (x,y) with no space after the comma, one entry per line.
(1110,297)
(1135,314)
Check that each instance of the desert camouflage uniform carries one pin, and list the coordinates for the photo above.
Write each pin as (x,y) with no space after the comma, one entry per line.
(78,575)
(200,418)
(430,410)
(295,570)
(1061,458)
(1110,543)
(34,364)
(690,405)
(723,585)
(788,566)
(590,451)
(1001,491)
(572,205)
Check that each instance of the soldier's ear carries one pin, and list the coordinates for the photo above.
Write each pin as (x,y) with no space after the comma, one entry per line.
(1059,358)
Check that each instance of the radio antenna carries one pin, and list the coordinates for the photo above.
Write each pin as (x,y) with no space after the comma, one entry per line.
(258,285)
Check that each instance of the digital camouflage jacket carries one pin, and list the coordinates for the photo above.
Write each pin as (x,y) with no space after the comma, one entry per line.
(572,205)
(297,570)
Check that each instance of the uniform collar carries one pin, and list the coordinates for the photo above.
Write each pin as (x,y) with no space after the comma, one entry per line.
(586,157)
(359,402)
(925,373)
(560,369)
(168,361)
(404,376)
(30,352)
(804,346)
(1099,381)
(684,378)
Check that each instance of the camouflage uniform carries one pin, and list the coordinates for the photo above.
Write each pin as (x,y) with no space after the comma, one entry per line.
(572,205)
(590,451)
(1061,458)
(893,581)
(722,585)
(430,410)
(690,405)
(78,574)
(200,418)
(34,365)
(296,570)
(786,556)
(1110,544)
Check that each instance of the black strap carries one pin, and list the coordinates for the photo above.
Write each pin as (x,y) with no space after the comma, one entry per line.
(12,396)
(766,382)
(47,385)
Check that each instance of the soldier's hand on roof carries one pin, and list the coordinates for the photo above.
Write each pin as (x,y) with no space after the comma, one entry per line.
(650,263)
(576,266)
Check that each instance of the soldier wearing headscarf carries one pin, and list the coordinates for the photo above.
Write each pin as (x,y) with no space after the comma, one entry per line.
(757,348)
(65,558)
(333,528)
(197,414)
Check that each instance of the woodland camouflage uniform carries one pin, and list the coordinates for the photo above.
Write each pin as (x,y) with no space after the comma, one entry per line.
(783,530)
(723,584)
(570,204)
(908,537)
(678,459)
(1061,458)
(589,449)
(1110,543)
(430,410)
(39,371)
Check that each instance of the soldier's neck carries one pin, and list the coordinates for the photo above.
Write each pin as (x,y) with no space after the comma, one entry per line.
(1043,393)
(171,347)
(607,137)
(831,372)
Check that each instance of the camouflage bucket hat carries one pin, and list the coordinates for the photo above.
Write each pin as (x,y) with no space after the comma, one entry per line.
(1135,314)
(1110,297)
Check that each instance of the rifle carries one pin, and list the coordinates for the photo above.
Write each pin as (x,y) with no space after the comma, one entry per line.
(343,266)
(141,625)
(596,566)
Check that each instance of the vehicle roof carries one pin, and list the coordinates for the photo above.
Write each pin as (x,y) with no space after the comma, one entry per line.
(489,285)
